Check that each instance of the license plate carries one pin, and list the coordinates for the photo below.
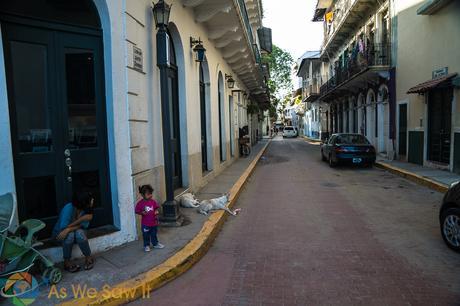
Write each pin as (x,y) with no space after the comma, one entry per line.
(357,160)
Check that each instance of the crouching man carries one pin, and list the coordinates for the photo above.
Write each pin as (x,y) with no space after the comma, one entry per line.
(71,227)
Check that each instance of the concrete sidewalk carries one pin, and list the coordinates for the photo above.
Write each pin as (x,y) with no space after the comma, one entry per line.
(311,140)
(127,262)
(439,180)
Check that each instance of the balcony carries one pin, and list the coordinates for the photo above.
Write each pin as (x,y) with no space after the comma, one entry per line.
(311,90)
(346,15)
(230,28)
(373,62)
(248,28)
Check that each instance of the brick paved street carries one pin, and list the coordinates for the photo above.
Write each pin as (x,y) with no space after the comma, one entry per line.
(312,235)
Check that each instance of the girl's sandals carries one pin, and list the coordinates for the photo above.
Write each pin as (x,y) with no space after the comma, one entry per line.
(72,268)
(89,264)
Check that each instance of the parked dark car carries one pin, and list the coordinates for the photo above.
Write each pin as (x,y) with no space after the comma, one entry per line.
(348,148)
(449,217)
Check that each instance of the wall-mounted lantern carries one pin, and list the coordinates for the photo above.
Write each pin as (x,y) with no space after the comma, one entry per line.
(198,48)
(230,81)
(161,12)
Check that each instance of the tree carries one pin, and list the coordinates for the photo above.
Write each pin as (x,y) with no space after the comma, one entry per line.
(280,63)
(280,83)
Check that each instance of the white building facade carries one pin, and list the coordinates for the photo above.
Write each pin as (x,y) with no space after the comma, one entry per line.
(311,72)
(81,101)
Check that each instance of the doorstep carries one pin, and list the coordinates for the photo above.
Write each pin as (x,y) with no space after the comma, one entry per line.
(436,179)
(128,267)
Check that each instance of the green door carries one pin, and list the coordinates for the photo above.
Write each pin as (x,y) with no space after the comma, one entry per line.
(439,124)
(58,120)
(403,129)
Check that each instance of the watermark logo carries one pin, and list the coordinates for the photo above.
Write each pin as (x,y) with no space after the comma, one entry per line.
(21,288)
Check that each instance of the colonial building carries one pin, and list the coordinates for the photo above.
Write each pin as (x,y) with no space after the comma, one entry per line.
(83,87)
(392,70)
(358,68)
(311,72)
(427,83)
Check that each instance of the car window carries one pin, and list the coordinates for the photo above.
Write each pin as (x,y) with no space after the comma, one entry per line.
(331,141)
(288,128)
(351,139)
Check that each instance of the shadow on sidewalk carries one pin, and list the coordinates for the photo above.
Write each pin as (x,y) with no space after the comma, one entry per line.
(129,260)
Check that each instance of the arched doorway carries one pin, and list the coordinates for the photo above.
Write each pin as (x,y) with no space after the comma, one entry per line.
(55,78)
(354,106)
(173,88)
(383,119)
(221,99)
(361,114)
(371,117)
(230,122)
(204,115)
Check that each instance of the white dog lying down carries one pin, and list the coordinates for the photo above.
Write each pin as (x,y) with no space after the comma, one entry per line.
(206,206)
(188,200)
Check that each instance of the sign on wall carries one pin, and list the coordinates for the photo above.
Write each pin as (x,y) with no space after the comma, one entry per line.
(439,73)
(138,59)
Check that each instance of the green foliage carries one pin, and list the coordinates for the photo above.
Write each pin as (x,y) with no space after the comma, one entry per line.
(280,63)
(272,111)
(287,100)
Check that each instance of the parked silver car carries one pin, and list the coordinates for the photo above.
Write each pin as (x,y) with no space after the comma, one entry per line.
(289,131)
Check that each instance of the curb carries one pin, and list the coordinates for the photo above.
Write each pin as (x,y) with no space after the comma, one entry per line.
(424,181)
(184,259)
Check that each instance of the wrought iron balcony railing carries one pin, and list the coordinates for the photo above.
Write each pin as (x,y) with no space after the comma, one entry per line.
(374,55)
(311,88)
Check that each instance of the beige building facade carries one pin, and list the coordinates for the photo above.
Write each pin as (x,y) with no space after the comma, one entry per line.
(428,44)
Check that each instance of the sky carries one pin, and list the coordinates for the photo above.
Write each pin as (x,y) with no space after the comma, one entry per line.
(292,28)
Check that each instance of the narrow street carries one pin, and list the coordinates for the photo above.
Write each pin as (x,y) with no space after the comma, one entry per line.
(312,235)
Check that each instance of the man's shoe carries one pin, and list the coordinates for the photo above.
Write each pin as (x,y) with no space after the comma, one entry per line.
(158,246)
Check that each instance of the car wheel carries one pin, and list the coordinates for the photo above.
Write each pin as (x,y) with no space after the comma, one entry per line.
(450,228)
(323,158)
(332,164)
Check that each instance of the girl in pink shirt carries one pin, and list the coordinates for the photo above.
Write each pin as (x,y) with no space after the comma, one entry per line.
(148,208)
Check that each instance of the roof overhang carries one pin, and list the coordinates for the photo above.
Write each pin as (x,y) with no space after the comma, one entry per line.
(312,97)
(432,84)
(320,10)
(229,25)
(430,7)
(300,70)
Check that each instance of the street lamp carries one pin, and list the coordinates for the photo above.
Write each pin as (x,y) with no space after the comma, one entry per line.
(230,81)
(161,12)
(198,48)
